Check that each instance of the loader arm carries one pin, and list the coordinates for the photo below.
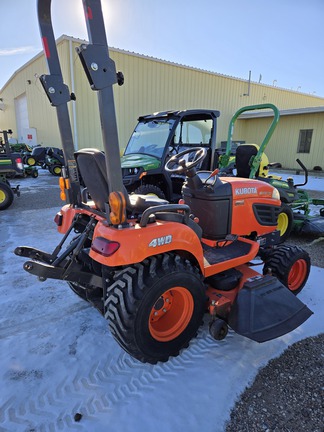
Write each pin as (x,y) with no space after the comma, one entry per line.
(257,158)
(59,96)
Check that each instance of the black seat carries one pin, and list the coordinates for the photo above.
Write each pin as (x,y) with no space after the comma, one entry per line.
(92,168)
(243,157)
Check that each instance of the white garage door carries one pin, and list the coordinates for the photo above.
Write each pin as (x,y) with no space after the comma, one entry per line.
(21,116)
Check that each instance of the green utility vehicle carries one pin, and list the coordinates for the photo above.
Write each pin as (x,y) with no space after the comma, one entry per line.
(159,136)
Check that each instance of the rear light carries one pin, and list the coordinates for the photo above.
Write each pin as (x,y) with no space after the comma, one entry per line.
(19,163)
(104,247)
(117,205)
(58,219)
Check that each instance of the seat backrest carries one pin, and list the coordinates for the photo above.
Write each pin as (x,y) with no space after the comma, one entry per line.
(243,156)
(92,167)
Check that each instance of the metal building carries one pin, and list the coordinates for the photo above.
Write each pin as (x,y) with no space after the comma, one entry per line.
(154,85)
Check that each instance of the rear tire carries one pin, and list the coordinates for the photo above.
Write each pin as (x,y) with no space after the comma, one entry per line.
(149,189)
(156,307)
(285,222)
(6,195)
(290,264)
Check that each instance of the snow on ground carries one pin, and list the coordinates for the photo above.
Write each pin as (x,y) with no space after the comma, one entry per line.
(315,182)
(58,357)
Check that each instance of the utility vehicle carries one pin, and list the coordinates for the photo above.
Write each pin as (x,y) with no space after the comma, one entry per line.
(252,162)
(154,269)
(159,136)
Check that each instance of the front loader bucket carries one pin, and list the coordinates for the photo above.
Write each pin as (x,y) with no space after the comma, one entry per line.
(265,309)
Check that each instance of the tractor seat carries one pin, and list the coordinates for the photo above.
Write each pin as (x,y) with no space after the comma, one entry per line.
(92,169)
(243,156)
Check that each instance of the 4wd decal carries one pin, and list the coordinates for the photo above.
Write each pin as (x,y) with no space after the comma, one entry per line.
(246,191)
(160,241)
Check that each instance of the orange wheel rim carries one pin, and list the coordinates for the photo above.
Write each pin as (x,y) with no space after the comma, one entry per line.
(171,314)
(297,274)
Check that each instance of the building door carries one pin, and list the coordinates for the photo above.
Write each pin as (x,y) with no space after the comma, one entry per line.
(21,116)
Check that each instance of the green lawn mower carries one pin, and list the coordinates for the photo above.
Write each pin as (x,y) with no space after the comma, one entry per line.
(10,165)
(252,162)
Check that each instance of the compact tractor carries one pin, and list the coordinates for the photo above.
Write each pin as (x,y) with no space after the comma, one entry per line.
(251,162)
(155,269)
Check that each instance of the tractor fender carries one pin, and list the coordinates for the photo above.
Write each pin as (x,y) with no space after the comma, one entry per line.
(136,243)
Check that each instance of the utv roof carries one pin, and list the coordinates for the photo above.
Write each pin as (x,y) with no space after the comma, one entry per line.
(195,113)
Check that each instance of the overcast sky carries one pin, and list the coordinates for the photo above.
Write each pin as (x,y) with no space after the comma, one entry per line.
(280,41)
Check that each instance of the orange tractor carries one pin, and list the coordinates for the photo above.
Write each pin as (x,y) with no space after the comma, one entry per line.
(155,269)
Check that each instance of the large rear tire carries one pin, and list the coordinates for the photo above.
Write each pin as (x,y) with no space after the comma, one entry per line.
(156,307)
(6,195)
(290,264)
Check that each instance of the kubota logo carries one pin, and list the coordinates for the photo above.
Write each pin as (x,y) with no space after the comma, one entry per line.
(246,191)
(160,241)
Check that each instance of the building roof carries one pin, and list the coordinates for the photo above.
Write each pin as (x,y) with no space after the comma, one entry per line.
(286,112)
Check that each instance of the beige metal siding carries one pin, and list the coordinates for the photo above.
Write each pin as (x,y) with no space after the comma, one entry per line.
(150,85)
(284,142)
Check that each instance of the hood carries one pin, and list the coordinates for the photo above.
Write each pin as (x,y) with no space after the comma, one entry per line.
(138,160)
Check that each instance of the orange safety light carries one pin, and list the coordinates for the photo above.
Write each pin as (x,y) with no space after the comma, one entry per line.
(117,204)
(62,187)
(64,184)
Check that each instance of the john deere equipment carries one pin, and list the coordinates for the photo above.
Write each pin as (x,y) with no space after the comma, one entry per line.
(151,268)
(251,162)
(10,165)
(159,136)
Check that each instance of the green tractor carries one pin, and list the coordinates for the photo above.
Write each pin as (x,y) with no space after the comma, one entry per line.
(10,165)
(251,162)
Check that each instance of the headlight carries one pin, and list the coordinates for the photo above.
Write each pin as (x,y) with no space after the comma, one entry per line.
(133,171)
(275,194)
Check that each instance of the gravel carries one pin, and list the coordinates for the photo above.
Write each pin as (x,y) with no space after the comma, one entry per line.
(287,395)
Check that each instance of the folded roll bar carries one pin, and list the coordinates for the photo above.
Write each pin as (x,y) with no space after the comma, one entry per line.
(101,73)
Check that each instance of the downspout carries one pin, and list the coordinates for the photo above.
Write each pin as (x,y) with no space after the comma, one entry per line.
(74,117)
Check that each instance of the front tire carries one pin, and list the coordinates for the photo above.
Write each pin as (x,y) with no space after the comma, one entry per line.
(285,222)
(56,169)
(290,264)
(156,307)
(149,189)
(6,195)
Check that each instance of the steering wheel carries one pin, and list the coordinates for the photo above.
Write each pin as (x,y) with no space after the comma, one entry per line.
(177,164)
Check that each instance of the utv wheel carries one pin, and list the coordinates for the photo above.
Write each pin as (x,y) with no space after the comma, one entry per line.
(30,161)
(290,264)
(34,173)
(156,307)
(6,196)
(285,221)
(55,170)
(149,189)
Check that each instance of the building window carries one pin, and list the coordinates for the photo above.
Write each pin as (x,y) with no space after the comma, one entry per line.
(305,139)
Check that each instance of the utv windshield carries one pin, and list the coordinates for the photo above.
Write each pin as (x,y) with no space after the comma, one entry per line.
(150,138)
